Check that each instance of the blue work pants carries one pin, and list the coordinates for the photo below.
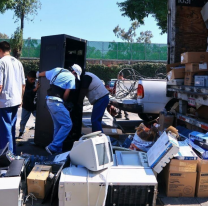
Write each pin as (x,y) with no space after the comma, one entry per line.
(98,112)
(62,124)
(24,118)
(8,118)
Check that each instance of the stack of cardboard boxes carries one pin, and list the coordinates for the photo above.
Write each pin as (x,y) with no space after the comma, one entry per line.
(192,63)
(186,178)
(195,64)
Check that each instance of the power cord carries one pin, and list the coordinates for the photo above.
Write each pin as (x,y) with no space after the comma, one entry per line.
(30,195)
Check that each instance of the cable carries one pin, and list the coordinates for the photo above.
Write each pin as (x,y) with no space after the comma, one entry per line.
(124,88)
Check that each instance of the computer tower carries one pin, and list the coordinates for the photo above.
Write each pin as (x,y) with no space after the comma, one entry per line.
(59,51)
(10,191)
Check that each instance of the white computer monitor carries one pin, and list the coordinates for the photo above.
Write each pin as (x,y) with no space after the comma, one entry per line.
(93,151)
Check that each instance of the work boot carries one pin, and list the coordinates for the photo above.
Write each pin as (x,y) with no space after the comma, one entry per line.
(20,135)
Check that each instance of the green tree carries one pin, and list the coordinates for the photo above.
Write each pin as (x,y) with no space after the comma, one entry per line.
(25,9)
(16,43)
(5,4)
(31,48)
(130,35)
(3,36)
(139,9)
(93,53)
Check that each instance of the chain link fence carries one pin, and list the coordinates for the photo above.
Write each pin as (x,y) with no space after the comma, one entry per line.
(108,50)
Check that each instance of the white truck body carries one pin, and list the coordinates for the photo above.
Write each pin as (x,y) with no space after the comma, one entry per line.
(154,99)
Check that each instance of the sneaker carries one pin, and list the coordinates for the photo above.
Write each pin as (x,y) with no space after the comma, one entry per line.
(49,151)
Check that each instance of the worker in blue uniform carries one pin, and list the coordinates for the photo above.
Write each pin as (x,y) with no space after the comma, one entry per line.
(61,82)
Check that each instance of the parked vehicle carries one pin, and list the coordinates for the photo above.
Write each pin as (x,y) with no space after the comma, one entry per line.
(148,100)
(110,86)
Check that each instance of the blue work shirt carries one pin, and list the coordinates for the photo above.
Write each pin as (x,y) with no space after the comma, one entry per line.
(65,80)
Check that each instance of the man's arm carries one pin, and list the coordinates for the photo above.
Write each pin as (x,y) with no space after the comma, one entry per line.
(42,74)
(23,90)
(66,94)
(82,95)
(1,87)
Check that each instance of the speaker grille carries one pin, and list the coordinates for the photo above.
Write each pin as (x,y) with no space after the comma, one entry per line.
(129,195)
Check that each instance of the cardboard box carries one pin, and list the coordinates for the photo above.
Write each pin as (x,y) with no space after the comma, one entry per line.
(176,73)
(202,112)
(162,151)
(165,120)
(189,78)
(202,137)
(200,151)
(36,180)
(185,152)
(171,66)
(180,178)
(114,132)
(195,67)
(202,184)
(202,178)
(180,184)
(194,57)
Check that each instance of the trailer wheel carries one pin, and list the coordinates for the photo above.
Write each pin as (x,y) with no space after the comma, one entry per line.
(170,104)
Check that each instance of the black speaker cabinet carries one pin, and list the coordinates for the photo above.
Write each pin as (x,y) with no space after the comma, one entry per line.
(59,51)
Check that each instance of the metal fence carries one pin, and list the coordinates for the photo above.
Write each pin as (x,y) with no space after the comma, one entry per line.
(108,50)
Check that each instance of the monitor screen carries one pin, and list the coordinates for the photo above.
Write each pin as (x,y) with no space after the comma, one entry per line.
(102,153)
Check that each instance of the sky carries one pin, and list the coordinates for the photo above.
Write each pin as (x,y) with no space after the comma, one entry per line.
(93,20)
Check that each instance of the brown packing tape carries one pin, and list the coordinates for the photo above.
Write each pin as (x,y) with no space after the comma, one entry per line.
(176,165)
(182,169)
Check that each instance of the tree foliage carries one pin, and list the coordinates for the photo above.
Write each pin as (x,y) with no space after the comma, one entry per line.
(5,4)
(16,43)
(25,9)
(139,9)
(3,36)
(130,35)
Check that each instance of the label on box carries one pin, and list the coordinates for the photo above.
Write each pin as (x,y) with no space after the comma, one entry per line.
(192,102)
(203,66)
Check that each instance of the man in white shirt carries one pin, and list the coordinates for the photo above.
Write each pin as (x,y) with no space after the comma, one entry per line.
(12,86)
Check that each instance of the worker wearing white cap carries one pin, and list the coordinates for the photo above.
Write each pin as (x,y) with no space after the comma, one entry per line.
(92,87)
(61,82)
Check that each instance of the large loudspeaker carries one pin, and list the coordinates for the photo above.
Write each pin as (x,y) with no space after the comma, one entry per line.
(59,51)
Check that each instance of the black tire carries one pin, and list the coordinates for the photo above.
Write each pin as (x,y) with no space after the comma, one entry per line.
(170,104)
(148,117)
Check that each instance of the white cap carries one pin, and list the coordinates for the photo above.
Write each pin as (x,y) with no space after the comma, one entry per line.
(77,69)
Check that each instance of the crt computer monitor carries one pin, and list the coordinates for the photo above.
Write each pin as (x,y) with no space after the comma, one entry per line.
(92,151)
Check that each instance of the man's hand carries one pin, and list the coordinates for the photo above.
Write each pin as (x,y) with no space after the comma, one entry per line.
(20,105)
(37,87)
(37,74)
